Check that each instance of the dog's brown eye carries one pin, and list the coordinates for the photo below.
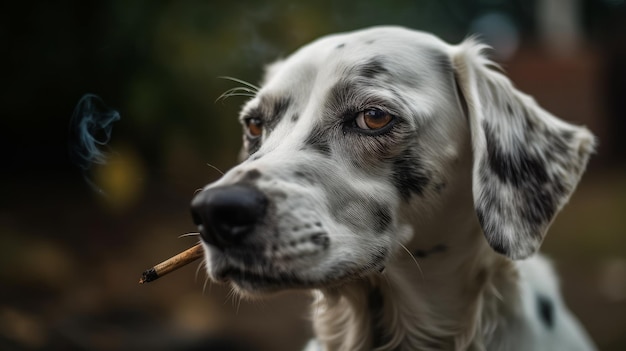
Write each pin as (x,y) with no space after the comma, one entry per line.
(373,119)
(254,127)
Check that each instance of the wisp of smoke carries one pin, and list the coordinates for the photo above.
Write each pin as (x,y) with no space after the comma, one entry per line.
(90,131)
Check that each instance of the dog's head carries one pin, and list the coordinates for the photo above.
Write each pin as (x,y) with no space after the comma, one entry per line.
(356,140)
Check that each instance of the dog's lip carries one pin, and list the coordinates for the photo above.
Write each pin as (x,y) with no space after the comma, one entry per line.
(281,280)
(255,282)
(263,275)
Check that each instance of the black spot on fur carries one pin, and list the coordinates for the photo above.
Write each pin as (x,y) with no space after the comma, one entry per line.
(349,94)
(530,125)
(278,107)
(527,173)
(509,109)
(251,175)
(338,95)
(558,145)
(410,175)
(541,205)
(382,218)
(295,117)
(519,169)
(318,141)
(350,208)
(567,136)
(340,46)
(372,68)
(499,247)
(281,105)
(321,239)
(545,308)
(306,175)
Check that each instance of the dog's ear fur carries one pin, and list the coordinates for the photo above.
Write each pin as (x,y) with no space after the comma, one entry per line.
(526,161)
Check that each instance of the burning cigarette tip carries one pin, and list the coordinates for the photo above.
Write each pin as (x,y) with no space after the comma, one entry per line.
(193,253)
(148,276)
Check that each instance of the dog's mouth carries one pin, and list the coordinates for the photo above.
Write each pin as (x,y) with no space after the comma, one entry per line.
(267,276)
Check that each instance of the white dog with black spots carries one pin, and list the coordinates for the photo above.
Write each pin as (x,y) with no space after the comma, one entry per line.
(408,184)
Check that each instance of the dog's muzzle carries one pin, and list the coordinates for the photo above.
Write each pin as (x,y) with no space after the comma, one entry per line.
(226,215)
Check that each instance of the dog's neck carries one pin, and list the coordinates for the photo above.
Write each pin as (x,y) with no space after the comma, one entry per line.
(442,305)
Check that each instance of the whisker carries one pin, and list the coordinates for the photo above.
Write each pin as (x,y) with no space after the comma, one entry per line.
(234,297)
(497,293)
(239,298)
(215,168)
(317,303)
(240,81)
(247,90)
(239,93)
(229,295)
(226,95)
(207,280)
(412,257)
(240,90)
(198,269)
(188,234)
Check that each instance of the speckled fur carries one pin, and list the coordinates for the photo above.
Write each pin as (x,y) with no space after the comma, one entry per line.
(408,237)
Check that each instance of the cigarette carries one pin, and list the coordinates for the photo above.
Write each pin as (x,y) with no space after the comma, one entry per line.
(191,254)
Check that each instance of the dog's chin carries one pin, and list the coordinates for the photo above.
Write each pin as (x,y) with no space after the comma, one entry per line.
(252,275)
(262,285)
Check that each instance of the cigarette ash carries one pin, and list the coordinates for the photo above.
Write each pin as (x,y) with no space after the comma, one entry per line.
(148,276)
(90,132)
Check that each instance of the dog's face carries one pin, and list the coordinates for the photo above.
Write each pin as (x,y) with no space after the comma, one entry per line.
(352,142)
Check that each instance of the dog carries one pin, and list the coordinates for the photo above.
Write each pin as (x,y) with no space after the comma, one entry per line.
(408,185)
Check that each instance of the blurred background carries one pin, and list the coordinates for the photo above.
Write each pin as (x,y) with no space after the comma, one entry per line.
(71,256)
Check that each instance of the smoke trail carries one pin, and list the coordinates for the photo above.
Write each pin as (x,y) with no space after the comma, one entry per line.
(90,131)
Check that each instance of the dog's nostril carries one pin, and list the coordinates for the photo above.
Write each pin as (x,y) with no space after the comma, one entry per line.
(225,215)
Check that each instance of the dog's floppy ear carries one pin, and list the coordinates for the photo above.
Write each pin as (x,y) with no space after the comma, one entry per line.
(526,161)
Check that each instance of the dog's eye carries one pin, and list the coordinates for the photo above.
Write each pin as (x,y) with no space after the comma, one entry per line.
(372,119)
(254,127)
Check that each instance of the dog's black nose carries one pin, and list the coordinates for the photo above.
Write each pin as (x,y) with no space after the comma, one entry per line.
(226,214)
